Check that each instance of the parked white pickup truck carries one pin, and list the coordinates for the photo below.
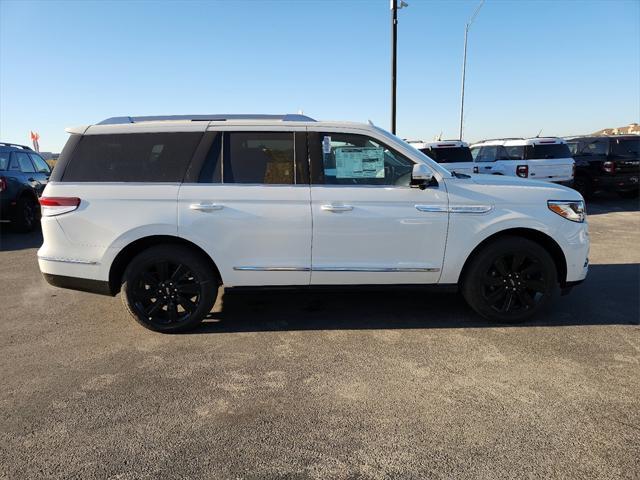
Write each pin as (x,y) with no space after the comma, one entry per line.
(539,158)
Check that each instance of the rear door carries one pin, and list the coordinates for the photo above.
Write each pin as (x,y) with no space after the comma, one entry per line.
(246,200)
(549,160)
(369,225)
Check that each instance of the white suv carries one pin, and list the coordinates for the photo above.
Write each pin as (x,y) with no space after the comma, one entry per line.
(454,155)
(166,210)
(539,158)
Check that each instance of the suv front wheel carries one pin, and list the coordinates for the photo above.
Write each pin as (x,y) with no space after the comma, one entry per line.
(169,288)
(510,280)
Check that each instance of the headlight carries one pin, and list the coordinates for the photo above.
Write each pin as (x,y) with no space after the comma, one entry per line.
(571,209)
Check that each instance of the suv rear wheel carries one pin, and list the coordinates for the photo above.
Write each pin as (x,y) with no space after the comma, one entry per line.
(26,214)
(510,280)
(169,288)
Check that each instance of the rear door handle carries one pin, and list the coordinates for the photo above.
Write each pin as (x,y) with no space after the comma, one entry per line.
(488,168)
(206,207)
(336,208)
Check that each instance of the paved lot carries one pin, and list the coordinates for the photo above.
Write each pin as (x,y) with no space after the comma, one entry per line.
(293,385)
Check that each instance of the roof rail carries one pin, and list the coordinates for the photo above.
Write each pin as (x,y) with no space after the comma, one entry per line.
(206,118)
(24,147)
(497,139)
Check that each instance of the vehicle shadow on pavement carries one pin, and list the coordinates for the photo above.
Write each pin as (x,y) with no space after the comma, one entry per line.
(10,240)
(609,296)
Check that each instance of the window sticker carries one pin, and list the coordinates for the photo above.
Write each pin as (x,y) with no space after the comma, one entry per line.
(359,162)
(326,144)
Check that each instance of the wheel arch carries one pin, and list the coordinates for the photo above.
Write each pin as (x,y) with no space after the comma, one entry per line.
(541,238)
(125,256)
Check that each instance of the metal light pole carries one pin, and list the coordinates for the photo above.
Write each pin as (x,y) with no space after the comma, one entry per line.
(464,62)
(394,43)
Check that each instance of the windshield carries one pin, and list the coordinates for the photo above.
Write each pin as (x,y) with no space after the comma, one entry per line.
(541,152)
(449,155)
(625,147)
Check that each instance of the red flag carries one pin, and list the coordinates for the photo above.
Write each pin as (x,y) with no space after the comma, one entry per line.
(34,139)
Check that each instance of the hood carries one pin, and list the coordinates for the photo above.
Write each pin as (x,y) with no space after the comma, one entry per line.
(512,190)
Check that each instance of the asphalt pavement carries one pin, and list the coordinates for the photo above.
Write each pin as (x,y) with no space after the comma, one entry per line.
(335,385)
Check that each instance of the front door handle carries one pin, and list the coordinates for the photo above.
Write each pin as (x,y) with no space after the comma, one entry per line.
(206,207)
(336,208)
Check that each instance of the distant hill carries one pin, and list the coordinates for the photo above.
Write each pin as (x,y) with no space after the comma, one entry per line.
(631,128)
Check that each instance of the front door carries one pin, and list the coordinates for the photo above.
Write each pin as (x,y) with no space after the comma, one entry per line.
(248,205)
(369,225)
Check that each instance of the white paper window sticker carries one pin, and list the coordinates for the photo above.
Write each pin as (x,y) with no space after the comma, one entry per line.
(326,144)
(359,162)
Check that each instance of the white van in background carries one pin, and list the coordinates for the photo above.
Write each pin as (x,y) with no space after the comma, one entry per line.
(454,155)
(539,158)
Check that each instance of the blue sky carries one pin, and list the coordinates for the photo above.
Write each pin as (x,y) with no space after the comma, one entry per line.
(566,67)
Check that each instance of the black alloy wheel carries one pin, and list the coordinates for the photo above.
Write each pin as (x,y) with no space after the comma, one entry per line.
(26,216)
(510,279)
(166,292)
(169,288)
(514,283)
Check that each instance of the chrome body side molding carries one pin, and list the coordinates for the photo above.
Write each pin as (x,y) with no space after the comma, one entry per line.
(477,209)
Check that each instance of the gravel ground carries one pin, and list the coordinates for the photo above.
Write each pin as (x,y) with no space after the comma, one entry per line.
(299,385)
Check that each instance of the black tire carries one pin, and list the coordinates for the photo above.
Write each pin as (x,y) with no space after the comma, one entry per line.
(27,214)
(510,280)
(629,194)
(169,288)
(583,185)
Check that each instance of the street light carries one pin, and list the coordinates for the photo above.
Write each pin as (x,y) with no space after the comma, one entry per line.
(464,62)
(395,6)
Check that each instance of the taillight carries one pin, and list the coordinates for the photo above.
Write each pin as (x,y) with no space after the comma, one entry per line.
(58,205)
(609,167)
(522,171)
(3,184)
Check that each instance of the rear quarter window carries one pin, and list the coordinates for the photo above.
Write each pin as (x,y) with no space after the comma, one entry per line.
(449,155)
(136,157)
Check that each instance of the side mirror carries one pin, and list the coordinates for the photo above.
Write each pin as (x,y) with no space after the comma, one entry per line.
(421,176)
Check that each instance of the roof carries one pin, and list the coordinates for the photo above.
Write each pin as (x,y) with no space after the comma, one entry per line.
(217,117)
(515,142)
(14,146)
(440,144)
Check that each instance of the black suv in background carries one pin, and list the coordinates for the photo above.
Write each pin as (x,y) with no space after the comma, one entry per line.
(606,163)
(23,176)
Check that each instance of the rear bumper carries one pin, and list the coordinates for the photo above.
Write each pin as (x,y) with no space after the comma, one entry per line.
(617,183)
(74,283)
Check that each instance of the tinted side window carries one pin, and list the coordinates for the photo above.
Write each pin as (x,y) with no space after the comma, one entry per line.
(541,152)
(513,152)
(487,154)
(258,157)
(136,157)
(349,159)
(24,162)
(41,165)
